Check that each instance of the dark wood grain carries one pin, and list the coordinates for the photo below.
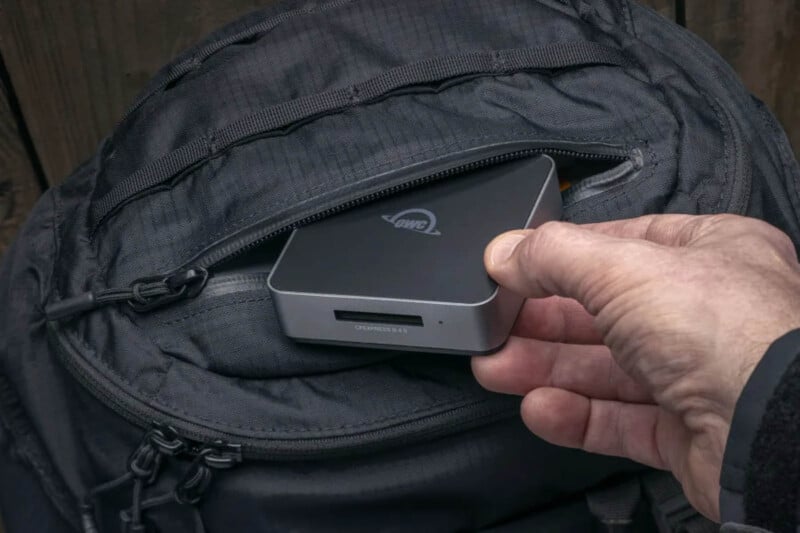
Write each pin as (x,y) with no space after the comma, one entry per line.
(762,42)
(19,188)
(77,64)
(665,7)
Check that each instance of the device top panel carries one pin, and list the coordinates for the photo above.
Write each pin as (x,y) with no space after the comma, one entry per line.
(423,244)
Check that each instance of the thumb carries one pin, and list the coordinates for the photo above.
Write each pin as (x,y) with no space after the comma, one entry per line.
(567,260)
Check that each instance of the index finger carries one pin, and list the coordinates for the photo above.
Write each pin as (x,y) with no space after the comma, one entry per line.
(571,261)
(667,230)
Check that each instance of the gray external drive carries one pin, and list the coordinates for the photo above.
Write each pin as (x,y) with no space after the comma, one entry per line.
(407,272)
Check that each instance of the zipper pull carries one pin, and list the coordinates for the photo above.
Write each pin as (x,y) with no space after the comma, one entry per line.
(183,284)
(167,440)
(70,306)
(215,456)
(145,462)
(143,468)
(142,295)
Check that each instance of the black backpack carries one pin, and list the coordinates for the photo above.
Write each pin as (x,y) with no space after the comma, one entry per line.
(145,385)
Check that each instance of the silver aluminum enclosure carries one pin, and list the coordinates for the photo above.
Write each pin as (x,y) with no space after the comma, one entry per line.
(406,272)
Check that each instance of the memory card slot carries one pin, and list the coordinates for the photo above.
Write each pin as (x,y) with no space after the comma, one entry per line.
(378,318)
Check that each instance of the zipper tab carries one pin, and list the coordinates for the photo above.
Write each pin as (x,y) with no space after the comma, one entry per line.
(223,455)
(71,306)
(167,440)
(218,455)
(183,284)
(142,295)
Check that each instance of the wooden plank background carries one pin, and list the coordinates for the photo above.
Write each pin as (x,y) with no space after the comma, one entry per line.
(19,187)
(761,39)
(77,64)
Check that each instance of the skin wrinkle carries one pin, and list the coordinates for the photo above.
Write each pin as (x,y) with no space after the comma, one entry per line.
(686,315)
(537,317)
(589,417)
(617,425)
(655,441)
(562,326)
(555,374)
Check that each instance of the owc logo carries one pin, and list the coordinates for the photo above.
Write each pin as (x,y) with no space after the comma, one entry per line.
(418,220)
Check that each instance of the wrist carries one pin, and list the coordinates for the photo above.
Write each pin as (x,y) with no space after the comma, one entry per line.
(764,430)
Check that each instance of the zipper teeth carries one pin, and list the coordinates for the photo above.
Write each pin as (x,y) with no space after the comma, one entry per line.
(192,431)
(253,448)
(494,160)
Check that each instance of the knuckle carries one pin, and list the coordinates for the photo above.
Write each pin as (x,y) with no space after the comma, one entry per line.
(712,224)
(760,235)
(546,237)
(787,246)
(524,251)
(549,233)
(780,240)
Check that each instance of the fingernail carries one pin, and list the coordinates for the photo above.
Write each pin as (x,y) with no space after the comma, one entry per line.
(503,248)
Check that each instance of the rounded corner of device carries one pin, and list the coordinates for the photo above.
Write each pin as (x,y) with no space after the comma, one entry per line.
(486,302)
(549,159)
(496,348)
(270,286)
(273,290)
(270,283)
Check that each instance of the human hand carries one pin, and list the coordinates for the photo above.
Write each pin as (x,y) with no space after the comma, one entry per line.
(641,334)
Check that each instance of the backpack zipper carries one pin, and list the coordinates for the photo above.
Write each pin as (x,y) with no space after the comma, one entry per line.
(151,292)
(145,416)
(159,444)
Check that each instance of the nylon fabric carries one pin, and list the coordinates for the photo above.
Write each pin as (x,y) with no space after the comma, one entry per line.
(275,120)
(282,115)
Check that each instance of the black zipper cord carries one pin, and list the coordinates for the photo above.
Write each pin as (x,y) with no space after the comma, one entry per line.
(149,503)
(138,292)
(143,467)
(108,486)
(187,492)
(199,526)
(142,294)
(136,508)
(145,464)
(88,521)
(143,506)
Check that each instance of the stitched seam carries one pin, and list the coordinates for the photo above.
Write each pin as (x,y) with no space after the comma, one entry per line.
(210,309)
(197,62)
(169,406)
(508,136)
(97,225)
(627,16)
(623,193)
(163,405)
(783,157)
(26,442)
(165,373)
(183,174)
(56,242)
(714,103)
(315,188)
